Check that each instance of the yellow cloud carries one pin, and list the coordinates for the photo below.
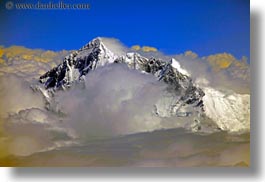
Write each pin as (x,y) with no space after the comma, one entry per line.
(2,61)
(144,48)
(21,53)
(136,47)
(191,54)
(149,49)
(1,52)
(221,61)
(28,62)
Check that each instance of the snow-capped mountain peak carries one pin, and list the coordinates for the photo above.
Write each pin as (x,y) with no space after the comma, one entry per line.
(182,98)
(184,94)
(97,48)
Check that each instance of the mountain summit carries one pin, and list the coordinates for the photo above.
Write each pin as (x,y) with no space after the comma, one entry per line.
(183,98)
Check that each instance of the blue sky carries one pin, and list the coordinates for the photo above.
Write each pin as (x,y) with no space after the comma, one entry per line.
(173,26)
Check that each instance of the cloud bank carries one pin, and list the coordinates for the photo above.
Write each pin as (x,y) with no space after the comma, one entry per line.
(116,100)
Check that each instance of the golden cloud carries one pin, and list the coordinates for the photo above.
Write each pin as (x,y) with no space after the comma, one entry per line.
(221,61)
(28,62)
(225,60)
(1,52)
(144,48)
(149,49)
(136,47)
(191,54)
(18,53)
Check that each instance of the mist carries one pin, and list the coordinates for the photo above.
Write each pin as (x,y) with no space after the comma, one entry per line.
(115,100)
(25,125)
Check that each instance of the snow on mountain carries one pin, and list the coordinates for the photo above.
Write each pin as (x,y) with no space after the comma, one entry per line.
(182,98)
(175,64)
(230,111)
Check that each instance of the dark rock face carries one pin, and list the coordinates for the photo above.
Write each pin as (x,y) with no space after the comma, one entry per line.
(95,54)
(177,82)
(60,76)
